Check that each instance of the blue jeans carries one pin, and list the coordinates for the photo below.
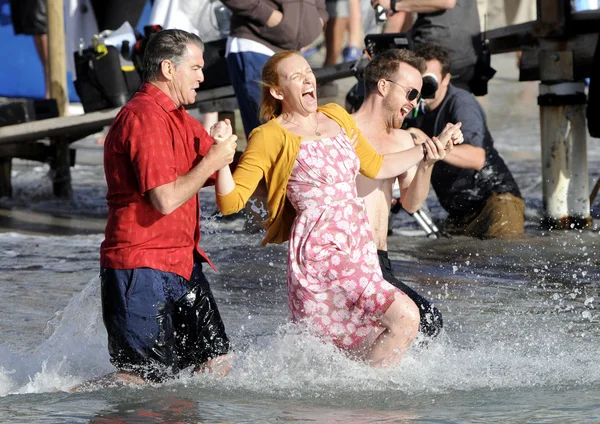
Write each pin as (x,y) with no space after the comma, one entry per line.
(245,73)
(158,323)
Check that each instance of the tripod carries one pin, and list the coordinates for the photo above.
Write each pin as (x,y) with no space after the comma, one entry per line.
(422,218)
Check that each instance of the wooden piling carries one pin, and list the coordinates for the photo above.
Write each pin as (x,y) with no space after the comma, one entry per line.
(564,143)
(60,164)
(57,55)
(5,171)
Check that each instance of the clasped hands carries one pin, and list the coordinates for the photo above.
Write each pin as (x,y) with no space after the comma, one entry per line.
(224,147)
(438,147)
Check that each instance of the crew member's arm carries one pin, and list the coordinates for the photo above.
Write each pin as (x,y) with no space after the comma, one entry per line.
(168,197)
(467,156)
(470,154)
(418,6)
(323,16)
(259,11)
(464,155)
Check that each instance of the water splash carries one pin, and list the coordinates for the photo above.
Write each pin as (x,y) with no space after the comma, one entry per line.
(76,350)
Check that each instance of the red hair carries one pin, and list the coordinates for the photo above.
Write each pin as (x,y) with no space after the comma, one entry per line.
(270,107)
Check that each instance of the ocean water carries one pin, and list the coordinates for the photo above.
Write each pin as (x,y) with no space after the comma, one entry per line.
(520,344)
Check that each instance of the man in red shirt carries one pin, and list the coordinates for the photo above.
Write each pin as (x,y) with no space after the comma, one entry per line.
(157,305)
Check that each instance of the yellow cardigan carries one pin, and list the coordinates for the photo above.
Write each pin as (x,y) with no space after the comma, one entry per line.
(271,153)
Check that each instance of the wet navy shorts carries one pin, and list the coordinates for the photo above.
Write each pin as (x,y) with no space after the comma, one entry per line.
(159,323)
(431,317)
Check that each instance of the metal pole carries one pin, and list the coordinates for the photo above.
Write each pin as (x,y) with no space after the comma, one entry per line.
(57,56)
(564,155)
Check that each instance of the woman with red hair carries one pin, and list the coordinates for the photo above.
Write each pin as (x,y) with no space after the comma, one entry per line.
(309,157)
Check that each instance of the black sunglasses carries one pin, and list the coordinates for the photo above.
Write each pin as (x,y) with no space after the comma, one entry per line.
(411,93)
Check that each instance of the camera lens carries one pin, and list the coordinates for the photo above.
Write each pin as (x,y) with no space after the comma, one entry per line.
(430,85)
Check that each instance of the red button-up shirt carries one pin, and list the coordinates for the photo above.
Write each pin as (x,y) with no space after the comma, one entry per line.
(150,143)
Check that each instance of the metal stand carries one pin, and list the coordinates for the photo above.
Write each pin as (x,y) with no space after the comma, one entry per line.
(431,230)
(421,217)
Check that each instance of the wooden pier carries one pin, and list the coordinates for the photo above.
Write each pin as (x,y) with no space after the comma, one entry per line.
(557,50)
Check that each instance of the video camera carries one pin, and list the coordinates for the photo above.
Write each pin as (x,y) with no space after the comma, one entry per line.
(377,43)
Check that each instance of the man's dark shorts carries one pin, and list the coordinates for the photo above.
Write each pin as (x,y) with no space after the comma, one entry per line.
(431,317)
(159,323)
(29,17)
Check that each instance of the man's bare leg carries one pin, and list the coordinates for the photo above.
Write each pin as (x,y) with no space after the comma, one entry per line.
(118,378)
(355,30)
(219,366)
(335,32)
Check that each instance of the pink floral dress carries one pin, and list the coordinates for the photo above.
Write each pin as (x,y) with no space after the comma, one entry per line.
(334,282)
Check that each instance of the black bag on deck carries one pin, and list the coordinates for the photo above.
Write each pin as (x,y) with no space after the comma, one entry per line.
(216,73)
(104,80)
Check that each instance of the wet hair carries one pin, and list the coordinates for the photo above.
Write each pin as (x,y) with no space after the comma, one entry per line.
(435,52)
(168,44)
(270,107)
(385,66)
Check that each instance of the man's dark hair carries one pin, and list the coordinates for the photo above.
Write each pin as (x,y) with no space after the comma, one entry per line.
(385,65)
(168,44)
(435,52)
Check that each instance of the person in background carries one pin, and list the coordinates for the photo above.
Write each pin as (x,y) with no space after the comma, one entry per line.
(380,118)
(309,157)
(258,29)
(29,18)
(344,26)
(398,22)
(452,24)
(472,183)
(157,305)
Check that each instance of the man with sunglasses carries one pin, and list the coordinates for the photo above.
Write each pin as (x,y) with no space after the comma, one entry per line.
(472,183)
(392,83)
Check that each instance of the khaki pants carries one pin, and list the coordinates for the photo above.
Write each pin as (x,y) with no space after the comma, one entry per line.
(502,216)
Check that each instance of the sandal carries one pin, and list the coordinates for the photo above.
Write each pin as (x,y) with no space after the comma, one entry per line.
(351,53)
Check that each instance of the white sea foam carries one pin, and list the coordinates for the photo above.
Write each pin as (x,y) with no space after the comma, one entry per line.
(291,361)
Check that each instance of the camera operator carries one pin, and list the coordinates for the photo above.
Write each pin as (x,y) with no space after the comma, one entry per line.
(452,24)
(472,183)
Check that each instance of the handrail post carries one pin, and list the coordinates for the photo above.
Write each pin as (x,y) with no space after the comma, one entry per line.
(56,55)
